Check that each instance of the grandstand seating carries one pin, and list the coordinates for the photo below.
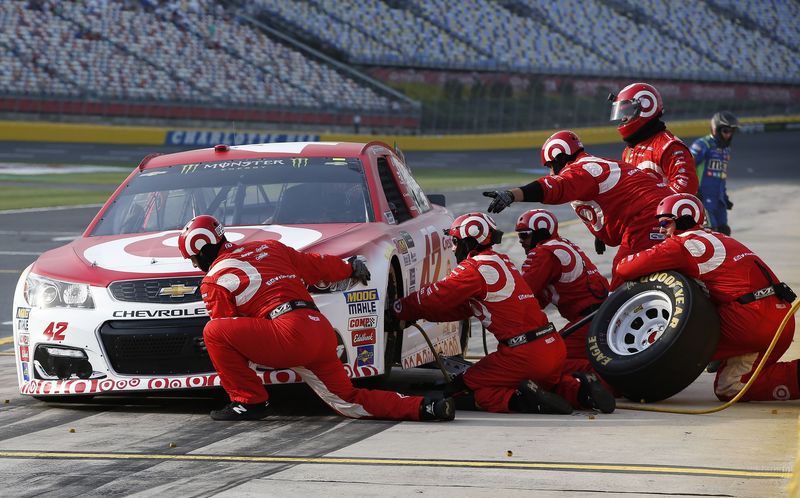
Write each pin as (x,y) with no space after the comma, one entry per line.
(209,53)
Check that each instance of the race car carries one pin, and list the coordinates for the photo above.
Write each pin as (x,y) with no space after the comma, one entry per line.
(118,309)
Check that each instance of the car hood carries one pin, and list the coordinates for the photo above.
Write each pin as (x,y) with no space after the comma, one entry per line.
(101,260)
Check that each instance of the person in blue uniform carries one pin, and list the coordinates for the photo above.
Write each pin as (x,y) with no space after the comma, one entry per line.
(712,154)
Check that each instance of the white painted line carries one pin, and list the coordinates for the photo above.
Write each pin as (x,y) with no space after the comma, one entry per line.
(53,208)
(67,238)
(19,253)
(7,323)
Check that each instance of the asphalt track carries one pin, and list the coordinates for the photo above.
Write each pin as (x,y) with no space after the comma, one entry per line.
(151,446)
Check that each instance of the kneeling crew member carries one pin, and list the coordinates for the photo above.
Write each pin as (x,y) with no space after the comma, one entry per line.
(527,366)
(559,272)
(750,300)
(260,311)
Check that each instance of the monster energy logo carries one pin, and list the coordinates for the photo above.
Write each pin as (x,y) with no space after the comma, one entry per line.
(189,168)
(299,162)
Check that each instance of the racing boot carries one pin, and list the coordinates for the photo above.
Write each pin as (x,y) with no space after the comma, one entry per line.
(530,398)
(437,409)
(235,411)
(592,394)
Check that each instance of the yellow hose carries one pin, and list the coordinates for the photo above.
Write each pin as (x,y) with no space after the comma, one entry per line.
(741,393)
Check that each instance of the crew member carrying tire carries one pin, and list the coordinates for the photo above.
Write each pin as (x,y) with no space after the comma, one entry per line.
(612,198)
(260,311)
(750,300)
(527,366)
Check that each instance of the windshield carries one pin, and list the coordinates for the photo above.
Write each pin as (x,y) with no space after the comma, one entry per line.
(290,190)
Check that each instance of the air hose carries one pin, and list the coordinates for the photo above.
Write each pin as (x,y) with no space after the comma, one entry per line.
(436,354)
(741,393)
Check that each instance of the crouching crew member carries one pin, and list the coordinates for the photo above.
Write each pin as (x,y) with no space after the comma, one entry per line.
(261,312)
(526,369)
(750,299)
(559,272)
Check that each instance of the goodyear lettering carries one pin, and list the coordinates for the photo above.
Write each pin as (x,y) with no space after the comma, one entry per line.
(158,313)
(361,295)
(598,355)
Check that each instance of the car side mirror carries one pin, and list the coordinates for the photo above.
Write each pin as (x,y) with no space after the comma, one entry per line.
(437,199)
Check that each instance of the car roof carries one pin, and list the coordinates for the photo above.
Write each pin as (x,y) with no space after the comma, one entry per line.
(235,152)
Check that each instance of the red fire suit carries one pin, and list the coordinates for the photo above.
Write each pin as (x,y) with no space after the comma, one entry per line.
(616,202)
(668,156)
(559,272)
(488,286)
(729,270)
(242,286)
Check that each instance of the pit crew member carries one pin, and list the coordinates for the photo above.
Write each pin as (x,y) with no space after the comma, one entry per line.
(711,155)
(521,375)
(749,297)
(261,312)
(612,198)
(650,145)
(559,272)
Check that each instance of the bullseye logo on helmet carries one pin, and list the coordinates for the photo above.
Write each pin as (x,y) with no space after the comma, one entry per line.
(555,147)
(538,218)
(198,237)
(686,207)
(647,103)
(476,225)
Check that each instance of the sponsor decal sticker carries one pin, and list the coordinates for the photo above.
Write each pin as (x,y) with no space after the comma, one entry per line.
(365,355)
(362,322)
(362,302)
(24,339)
(24,353)
(22,318)
(363,337)
(25,375)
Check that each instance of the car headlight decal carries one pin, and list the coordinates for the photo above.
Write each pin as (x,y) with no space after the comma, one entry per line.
(43,292)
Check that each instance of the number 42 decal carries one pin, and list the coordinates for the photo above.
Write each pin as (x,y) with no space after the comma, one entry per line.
(55,331)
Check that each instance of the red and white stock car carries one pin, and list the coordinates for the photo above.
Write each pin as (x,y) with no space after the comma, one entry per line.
(118,309)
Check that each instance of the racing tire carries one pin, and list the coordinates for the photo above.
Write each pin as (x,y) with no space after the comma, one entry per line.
(653,337)
(392,338)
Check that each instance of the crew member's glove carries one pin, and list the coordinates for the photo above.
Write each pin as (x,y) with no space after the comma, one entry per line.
(728,204)
(599,246)
(396,323)
(501,200)
(360,270)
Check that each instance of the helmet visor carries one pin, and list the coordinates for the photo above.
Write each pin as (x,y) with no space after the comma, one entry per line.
(624,110)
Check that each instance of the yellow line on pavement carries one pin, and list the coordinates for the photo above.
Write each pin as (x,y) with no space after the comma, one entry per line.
(557,466)
(10,271)
(6,340)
